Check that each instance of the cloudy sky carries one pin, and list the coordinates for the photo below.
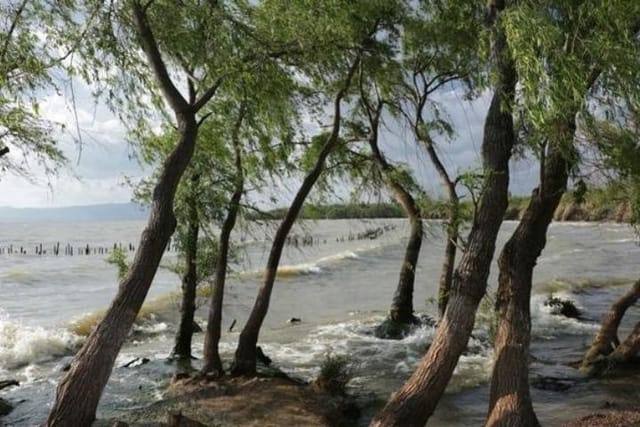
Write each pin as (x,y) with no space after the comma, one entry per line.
(97,172)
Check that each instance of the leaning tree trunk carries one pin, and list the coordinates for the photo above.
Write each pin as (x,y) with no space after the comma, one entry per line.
(414,403)
(606,341)
(453,222)
(245,356)
(182,347)
(79,391)
(401,310)
(453,229)
(510,401)
(629,348)
(212,362)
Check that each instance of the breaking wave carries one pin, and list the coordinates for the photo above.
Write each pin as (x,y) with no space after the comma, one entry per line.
(22,345)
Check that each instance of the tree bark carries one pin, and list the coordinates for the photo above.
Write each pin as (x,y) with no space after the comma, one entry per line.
(453,225)
(510,400)
(182,347)
(414,403)
(401,310)
(245,356)
(606,341)
(79,391)
(212,362)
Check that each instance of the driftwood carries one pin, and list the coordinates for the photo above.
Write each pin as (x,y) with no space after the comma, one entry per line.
(138,361)
(8,383)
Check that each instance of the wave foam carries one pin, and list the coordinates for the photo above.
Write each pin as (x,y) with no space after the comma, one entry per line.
(22,345)
(298,270)
(546,325)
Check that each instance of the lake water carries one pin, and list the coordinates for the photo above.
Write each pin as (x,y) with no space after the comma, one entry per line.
(340,288)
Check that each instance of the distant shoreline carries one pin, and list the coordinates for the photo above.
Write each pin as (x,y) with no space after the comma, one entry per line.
(599,205)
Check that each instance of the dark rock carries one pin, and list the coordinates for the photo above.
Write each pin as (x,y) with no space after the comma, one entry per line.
(176,419)
(294,320)
(426,320)
(562,307)
(5,408)
(553,383)
(66,367)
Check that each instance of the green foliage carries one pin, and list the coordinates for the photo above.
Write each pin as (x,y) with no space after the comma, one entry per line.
(572,57)
(27,61)
(118,257)
(335,373)
(206,255)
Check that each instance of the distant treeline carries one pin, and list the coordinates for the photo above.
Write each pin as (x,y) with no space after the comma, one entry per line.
(338,211)
(596,204)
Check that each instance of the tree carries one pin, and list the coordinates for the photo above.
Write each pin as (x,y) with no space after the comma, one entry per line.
(617,143)
(261,139)
(416,400)
(356,25)
(26,65)
(401,310)
(144,52)
(570,72)
(437,52)
(376,81)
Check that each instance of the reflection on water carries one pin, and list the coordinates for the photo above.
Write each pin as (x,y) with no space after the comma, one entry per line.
(340,287)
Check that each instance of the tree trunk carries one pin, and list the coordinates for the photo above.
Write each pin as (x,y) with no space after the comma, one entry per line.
(414,403)
(245,356)
(629,347)
(606,341)
(212,362)
(453,225)
(510,401)
(79,391)
(401,310)
(450,250)
(182,347)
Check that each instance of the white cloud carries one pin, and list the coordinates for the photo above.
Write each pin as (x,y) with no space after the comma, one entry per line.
(97,170)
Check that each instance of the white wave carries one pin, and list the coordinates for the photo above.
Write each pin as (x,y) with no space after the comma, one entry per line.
(298,269)
(151,328)
(391,359)
(546,325)
(341,256)
(628,240)
(21,345)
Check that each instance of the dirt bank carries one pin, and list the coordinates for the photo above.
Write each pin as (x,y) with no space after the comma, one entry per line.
(258,401)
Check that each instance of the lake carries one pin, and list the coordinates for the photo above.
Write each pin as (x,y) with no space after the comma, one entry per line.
(340,287)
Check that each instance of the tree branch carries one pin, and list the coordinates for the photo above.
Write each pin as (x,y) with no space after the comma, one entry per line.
(150,47)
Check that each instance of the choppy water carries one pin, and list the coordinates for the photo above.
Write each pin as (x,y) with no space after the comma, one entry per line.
(340,288)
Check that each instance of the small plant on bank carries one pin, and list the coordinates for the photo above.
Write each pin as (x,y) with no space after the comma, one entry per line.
(118,257)
(335,373)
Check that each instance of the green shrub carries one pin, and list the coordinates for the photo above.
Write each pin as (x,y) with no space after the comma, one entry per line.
(335,373)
